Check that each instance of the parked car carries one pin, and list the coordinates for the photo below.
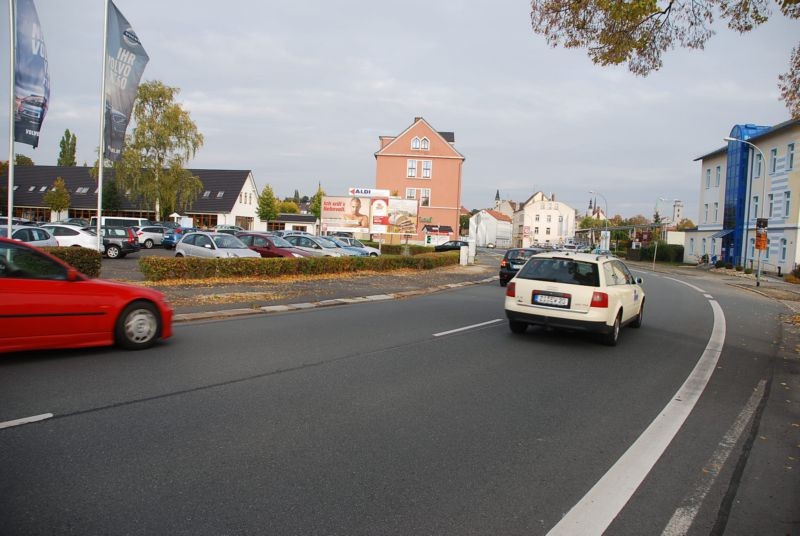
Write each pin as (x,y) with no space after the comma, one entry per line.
(513,261)
(150,236)
(221,245)
(173,236)
(34,236)
(269,245)
(348,250)
(70,235)
(291,232)
(451,245)
(120,241)
(355,243)
(228,229)
(316,244)
(48,304)
(580,291)
(80,222)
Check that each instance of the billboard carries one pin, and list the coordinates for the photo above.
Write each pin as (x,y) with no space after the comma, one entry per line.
(345,214)
(403,214)
(31,78)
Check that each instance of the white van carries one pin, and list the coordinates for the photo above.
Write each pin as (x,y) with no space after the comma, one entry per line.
(119,221)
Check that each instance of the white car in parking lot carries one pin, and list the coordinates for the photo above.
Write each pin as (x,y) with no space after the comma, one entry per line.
(210,245)
(70,235)
(579,291)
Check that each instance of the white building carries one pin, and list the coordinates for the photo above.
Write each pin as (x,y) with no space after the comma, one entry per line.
(490,227)
(543,221)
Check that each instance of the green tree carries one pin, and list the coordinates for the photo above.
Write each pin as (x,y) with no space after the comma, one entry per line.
(57,198)
(22,160)
(304,199)
(463,221)
(637,220)
(288,207)
(316,202)
(68,144)
(267,204)
(112,201)
(685,224)
(588,222)
(638,32)
(155,153)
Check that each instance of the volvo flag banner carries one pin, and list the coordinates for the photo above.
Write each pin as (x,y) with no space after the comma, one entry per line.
(31,79)
(125,63)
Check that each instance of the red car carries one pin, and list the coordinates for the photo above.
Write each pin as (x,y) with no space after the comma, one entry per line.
(270,245)
(47,304)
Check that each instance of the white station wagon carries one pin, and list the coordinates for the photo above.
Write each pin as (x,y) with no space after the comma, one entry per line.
(579,291)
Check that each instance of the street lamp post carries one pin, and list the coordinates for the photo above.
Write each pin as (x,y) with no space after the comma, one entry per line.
(593,192)
(655,250)
(763,200)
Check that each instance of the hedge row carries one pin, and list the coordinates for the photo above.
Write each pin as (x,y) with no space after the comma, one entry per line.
(160,268)
(85,260)
(666,253)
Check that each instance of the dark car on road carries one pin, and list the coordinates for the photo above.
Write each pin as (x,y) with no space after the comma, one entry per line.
(513,260)
(120,241)
(451,245)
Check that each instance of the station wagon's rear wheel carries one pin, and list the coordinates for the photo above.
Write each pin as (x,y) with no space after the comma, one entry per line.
(139,326)
(112,252)
(517,327)
(148,244)
(612,336)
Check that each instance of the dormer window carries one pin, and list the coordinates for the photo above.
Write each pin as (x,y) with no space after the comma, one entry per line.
(206,194)
(426,144)
(415,144)
(220,194)
(43,189)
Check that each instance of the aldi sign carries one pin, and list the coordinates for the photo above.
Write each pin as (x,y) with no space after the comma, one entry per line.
(367,192)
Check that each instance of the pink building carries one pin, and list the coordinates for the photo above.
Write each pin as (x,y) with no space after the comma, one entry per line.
(421,163)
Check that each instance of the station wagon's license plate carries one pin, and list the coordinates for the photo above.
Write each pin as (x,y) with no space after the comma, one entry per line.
(516,266)
(551,299)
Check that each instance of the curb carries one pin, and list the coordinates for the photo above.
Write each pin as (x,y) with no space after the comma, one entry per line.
(270,309)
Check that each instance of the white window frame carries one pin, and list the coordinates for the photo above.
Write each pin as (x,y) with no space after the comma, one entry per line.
(708,178)
(719,176)
(691,246)
(787,202)
(413,192)
(771,205)
(790,156)
(426,144)
(773,160)
(427,169)
(424,193)
(766,251)
(755,207)
(415,144)
(705,213)
(547,231)
(716,211)
(704,246)
(411,169)
(783,250)
(757,166)
(752,247)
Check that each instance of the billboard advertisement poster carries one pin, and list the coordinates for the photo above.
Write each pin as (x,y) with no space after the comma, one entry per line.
(403,215)
(379,214)
(345,214)
(31,79)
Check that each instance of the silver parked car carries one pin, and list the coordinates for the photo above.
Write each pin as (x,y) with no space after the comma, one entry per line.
(316,244)
(150,236)
(70,235)
(210,245)
(356,243)
(34,236)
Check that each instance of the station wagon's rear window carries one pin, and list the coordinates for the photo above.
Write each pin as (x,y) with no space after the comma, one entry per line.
(567,271)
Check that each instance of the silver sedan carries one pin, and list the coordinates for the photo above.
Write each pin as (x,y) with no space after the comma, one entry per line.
(34,236)
(211,245)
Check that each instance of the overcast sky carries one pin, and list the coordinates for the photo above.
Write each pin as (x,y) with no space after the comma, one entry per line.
(298,92)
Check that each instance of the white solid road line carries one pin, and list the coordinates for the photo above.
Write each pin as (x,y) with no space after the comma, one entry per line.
(465,328)
(698,289)
(684,516)
(598,508)
(25,420)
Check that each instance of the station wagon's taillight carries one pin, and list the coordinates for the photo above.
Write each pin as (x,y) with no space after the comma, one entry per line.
(503,263)
(511,290)
(599,299)
(131,236)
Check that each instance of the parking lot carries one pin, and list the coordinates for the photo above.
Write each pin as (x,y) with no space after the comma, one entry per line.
(128,268)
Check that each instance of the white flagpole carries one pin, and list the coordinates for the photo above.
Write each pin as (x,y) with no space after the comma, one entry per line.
(13,34)
(100,163)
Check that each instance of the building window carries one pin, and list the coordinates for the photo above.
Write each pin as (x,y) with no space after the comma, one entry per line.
(43,189)
(773,160)
(757,166)
(207,193)
(755,207)
(766,252)
(547,231)
(787,201)
(425,197)
(769,210)
(536,218)
(752,247)
(549,218)
(783,250)
(412,169)
(415,144)
(719,176)
(426,169)
(716,212)
(535,230)
(220,194)
(713,246)
(704,246)
(790,156)
(691,246)
(560,219)
(411,193)
(708,178)
(426,144)
(705,213)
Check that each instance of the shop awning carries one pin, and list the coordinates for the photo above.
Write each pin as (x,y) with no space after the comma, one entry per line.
(720,234)
(437,229)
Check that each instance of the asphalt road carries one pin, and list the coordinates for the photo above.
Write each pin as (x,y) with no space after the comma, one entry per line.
(377,419)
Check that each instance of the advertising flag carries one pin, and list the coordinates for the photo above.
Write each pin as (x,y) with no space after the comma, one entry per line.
(31,79)
(125,63)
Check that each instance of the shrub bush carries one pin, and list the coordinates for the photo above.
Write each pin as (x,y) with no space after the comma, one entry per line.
(85,260)
(739,267)
(729,265)
(748,271)
(160,268)
(666,252)
(719,264)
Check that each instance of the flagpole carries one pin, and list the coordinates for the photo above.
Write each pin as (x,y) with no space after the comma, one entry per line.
(13,35)
(100,163)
